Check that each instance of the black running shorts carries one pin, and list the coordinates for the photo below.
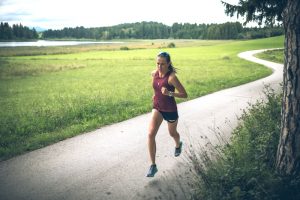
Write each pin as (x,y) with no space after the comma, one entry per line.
(169,116)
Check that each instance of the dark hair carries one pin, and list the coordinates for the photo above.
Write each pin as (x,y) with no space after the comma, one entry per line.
(168,59)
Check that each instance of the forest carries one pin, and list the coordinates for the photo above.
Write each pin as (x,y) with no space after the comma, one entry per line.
(155,30)
(144,30)
(16,32)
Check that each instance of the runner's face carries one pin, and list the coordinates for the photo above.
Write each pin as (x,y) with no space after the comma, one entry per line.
(162,64)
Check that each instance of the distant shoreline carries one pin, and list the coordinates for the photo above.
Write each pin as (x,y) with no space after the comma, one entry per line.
(39,43)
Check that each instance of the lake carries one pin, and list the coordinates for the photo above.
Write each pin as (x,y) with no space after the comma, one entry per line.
(51,43)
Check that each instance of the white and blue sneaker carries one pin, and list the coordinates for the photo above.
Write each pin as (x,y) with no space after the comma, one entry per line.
(178,150)
(152,171)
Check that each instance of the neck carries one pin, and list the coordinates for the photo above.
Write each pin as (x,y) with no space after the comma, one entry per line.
(162,73)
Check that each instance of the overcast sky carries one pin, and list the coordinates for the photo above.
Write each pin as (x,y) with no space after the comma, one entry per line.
(56,14)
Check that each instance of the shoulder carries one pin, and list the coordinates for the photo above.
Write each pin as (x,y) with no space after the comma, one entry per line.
(153,73)
(172,79)
(172,76)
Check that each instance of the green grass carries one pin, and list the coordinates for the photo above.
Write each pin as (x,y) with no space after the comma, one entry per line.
(131,44)
(272,55)
(57,94)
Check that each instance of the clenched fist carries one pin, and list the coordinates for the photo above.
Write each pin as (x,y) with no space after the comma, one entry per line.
(164,91)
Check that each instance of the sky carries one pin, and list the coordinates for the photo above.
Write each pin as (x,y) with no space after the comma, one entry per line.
(57,14)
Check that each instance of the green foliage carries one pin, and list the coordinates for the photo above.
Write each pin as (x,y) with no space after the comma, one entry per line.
(171,45)
(224,31)
(16,32)
(124,48)
(245,167)
(251,33)
(253,10)
(154,30)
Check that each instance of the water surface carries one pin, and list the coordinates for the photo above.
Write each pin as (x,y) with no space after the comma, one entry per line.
(51,43)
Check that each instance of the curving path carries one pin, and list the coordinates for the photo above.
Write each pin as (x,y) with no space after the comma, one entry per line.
(111,162)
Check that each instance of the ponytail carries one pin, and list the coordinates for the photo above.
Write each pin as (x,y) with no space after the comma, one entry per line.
(171,68)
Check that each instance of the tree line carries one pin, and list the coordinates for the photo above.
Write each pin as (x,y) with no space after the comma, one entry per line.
(16,32)
(144,30)
(155,30)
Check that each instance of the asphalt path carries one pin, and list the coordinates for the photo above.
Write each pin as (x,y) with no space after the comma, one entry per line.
(111,162)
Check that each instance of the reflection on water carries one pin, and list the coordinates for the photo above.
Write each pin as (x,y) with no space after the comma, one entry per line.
(50,43)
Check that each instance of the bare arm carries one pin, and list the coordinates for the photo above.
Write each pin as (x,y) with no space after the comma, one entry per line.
(152,75)
(173,80)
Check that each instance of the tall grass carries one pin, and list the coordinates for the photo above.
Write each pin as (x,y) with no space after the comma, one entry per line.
(47,98)
(244,167)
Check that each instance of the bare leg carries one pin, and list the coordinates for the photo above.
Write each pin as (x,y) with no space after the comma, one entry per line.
(173,132)
(154,125)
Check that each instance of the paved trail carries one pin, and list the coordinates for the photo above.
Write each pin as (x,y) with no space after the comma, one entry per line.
(111,162)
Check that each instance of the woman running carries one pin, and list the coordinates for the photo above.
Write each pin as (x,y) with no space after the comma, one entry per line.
(164,83)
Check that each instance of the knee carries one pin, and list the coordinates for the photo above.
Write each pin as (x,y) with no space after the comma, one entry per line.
(173,133)
(151,134)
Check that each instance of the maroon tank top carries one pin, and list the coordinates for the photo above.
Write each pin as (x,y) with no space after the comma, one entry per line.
(163,102)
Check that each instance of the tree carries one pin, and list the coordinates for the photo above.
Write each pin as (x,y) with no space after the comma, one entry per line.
(17,31)
(6,30)
(288,156)
(288,11)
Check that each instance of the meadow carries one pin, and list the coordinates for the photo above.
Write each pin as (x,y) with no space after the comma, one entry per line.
(273,55)
(50,94)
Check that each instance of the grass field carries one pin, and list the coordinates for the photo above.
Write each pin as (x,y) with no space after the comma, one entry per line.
(272,55)
(50,94)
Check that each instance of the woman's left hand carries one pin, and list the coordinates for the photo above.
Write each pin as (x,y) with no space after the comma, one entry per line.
(164,91)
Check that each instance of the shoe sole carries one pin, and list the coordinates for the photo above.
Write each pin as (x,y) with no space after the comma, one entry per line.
(180,146)
(152,175)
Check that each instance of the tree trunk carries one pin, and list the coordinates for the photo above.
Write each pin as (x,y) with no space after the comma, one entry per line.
(288,153)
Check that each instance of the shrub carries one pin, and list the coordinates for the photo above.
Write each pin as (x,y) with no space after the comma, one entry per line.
(171,45)
(124,48)
(245,167)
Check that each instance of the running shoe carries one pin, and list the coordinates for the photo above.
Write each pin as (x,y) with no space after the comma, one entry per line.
(152,171)
(178,150)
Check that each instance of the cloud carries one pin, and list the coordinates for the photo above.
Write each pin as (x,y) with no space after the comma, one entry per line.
(57,14)
(7,2)
(15,16)
(3,2)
